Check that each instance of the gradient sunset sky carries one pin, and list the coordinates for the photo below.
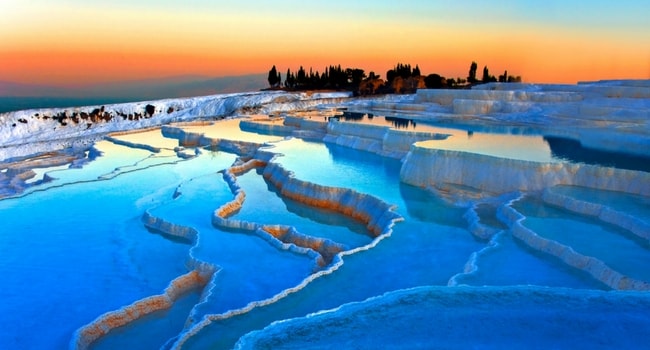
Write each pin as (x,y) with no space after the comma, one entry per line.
(76,42)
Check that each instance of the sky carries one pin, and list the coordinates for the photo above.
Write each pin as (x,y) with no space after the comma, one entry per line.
(79,42)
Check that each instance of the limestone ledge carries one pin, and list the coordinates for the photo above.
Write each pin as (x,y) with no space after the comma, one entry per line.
(382,140)
(591,265)
(266,128)
(427,167)
(378,215)
(199,277)
(305,124)
(326,248)
(192,139)
(475,227)
(282,237)
(447,97)
(132,144)
(471,267)
(87,335)
(604,213)
(169,228)
(14,175)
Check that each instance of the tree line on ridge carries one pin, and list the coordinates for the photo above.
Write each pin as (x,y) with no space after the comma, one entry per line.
(403,78)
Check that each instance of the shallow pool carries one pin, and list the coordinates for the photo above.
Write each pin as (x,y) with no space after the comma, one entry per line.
(76,247)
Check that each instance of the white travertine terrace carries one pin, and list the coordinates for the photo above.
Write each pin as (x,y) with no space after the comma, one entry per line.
(39,125)
(611,116)
(428,167)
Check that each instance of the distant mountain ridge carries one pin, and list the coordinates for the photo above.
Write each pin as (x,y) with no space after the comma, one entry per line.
(181,86)
(16,96)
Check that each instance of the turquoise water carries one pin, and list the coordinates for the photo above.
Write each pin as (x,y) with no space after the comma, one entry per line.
(72,253)
(612,245)
(636,206)
(75,248)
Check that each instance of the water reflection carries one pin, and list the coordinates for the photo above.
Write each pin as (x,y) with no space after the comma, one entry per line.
(369,118)
(572,150)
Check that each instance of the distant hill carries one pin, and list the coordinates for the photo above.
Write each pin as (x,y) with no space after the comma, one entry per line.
(15,96)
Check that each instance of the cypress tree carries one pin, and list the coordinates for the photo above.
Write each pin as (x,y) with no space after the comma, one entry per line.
(273,76)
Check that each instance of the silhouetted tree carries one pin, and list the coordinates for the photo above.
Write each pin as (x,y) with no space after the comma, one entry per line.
(403,70)
(390,76)
(486,76)
(471,78)
(355,76)
(273,76)
(287,79)
(434,81)
(301,79)
(416,71)
(503,78)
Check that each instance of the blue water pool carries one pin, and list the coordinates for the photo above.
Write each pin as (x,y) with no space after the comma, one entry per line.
(82,244)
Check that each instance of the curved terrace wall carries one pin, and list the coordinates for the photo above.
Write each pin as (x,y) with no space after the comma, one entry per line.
(199,277)
(592,266)
(604,213)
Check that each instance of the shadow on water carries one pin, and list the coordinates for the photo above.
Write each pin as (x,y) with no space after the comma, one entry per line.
(572,150)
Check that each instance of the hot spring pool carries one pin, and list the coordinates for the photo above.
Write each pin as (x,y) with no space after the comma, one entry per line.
(76,247)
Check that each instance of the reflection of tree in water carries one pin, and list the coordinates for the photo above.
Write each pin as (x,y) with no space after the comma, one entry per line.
(352,116)
(401,123)
(396,122)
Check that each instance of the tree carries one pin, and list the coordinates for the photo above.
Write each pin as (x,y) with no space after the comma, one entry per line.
(390,76)
(355,76)
(273,77)
(471,78)
(416,71)
(486,76)
(287,78)
(301,79)
(433,81)
(503,78)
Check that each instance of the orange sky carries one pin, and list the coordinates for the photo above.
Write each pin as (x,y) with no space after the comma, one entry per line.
(72,42)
